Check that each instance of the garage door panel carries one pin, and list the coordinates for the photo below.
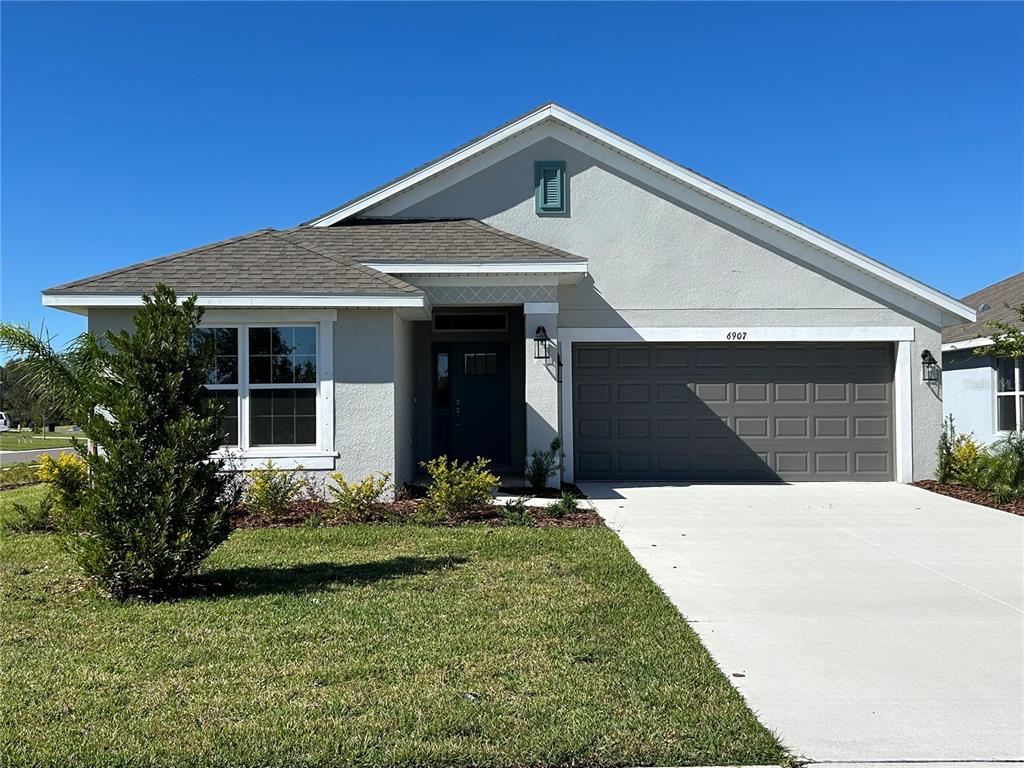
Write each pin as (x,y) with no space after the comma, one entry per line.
(632,392)
(692,412)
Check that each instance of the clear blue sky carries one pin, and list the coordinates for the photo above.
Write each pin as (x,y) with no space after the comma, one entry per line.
(134,130)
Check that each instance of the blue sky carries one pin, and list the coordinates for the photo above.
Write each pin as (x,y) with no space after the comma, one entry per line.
(133,130)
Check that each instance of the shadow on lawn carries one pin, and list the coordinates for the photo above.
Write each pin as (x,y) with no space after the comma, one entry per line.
(313,577)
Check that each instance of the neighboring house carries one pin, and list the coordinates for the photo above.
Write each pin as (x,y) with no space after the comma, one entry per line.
(553,278)
(984,395)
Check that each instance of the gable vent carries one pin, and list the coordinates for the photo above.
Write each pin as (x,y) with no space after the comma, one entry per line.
(549,186)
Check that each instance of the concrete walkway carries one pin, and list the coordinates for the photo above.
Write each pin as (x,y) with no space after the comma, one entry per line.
(862,622)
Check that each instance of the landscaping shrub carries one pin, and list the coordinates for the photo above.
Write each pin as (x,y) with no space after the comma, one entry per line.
(33,518)
(67,477)
(360,500)
(515,512)
(566,505)
(1000,469)
(456,488)
(543,464)
(155,505)
(270,489)
(958,456)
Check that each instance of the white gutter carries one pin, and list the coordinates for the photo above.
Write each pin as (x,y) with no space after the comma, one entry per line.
(953,346)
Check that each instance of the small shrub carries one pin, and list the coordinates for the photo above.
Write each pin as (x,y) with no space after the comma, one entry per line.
(33,518)
(543,464)
(68,478)
(567,504)
(271,489)
(1000,469)
(944,466)
(455,488)
(964,465)
(360,500)
(515,512)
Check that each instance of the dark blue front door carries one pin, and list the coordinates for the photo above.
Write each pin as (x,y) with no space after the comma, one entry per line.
(472,407)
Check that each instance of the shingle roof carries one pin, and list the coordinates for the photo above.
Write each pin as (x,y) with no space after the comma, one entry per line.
(1002,298)
(262,262)
(320,260)
(428,240)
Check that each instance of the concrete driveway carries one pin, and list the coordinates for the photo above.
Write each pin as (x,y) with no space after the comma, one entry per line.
(863,622)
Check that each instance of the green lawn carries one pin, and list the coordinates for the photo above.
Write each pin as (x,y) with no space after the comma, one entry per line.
(29,441)
(17,473)
(28,494)
(369,646)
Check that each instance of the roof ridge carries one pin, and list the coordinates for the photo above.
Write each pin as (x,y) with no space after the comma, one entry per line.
(345,261)
(158,260)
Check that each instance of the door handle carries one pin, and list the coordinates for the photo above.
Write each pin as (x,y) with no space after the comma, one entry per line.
(458,411)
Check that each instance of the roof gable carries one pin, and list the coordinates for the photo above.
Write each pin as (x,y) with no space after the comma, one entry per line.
(552,117)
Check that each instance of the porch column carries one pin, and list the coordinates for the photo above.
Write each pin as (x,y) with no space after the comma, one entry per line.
(541,381)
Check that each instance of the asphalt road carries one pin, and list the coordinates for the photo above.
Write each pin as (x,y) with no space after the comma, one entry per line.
(18,457)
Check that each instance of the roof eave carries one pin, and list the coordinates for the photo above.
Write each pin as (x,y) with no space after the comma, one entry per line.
(84,301)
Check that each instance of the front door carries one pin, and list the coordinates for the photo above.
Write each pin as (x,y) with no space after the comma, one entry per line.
(472,406)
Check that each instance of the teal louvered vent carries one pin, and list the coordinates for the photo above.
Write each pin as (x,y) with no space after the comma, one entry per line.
(549,184)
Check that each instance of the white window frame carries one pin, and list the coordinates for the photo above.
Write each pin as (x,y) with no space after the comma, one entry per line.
(1016,393)
(320,455)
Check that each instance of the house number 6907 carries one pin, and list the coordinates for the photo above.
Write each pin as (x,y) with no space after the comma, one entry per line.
(736,335)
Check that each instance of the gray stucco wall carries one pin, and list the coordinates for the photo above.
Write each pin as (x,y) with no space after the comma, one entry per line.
(364,392)
(102,320)
(658,262)
(404,367)
(968,394)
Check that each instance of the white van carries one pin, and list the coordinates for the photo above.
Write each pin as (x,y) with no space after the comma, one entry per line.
(5,423)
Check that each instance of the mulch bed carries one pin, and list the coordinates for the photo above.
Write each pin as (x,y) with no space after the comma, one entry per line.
(404,512)
(973,495)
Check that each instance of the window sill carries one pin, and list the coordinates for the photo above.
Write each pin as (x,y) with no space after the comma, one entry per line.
(283,457)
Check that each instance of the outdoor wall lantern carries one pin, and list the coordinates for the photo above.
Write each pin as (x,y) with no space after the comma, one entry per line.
(540,344)
(929,367)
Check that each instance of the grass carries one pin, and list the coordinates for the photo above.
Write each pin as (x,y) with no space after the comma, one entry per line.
(29,441)
(29,495)
(18,473)
(369,646)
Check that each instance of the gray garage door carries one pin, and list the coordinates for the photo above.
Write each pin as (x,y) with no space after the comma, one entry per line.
(744,412)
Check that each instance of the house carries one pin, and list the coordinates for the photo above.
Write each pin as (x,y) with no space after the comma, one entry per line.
(985,396)
(552,278)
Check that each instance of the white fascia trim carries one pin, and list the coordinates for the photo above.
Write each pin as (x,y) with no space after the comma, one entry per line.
(902,337)
(953,346)
(674,171)
(758,334)
(238,300)
(477,268)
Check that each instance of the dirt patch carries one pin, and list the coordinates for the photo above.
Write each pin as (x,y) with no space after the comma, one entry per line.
(973,495)
(406,511)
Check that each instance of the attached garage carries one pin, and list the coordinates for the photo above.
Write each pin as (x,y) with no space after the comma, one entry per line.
(664,412)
